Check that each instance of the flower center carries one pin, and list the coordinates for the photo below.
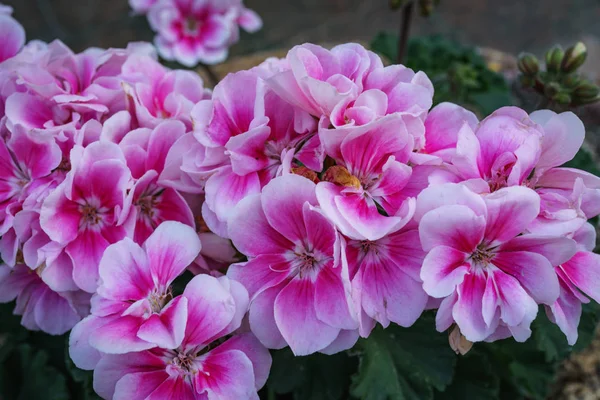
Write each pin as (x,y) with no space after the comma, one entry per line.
(482,256)
(342,177)
(191,26)
(90,215)
(158,299)
(307,263)
(185,363)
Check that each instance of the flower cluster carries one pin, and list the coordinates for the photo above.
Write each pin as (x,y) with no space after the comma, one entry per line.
(312,197)
(196,31)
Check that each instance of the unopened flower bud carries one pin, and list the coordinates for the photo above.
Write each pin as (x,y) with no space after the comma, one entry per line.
(574,57)
(528,64)
(341,176)
(562,98)
(587,101)
(460,344)
(427,7)
(307,173)
(586,90)
(551,90)
(554,58)
(572,81)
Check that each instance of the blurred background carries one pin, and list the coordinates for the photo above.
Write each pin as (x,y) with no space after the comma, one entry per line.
(510,25)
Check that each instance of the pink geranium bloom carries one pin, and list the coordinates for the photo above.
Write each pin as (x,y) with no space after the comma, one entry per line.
(319,79)
(371,173)
(296,280)
(41,307)
(199,31)
(89,210)
(393,89)
(385,279)
(158,93)
(25,161)
(486,272)
(529,153)
(197,367)
(87,83)
(12,34)
(579,279)
(134,308)
(152,203)
(442,125)
(262,134)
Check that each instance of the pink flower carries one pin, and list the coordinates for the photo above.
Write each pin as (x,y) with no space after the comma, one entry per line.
(262,134)
(385,279)
(41,307)
(26,160)
(393,89)
(89,210)
(12,34)
(145,151)
(199,31)
(134,309)
(371,173)
(194,368)
(319,79)
(579,279)
(477,261)
(528,154)
(294,275)
(158,93)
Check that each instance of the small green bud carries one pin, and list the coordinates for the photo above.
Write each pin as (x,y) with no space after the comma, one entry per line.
(571,81)
(554,58)
(551,90)
(574,57)
(528,64)
(586,90)
(562,98)
(587,101)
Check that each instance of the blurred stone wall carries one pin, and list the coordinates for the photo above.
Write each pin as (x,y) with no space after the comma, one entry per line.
(509,25)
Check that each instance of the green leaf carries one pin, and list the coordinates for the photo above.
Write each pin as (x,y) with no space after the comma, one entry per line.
(404,363)
(26,375)
(475,378)
(549,339)
(314,377)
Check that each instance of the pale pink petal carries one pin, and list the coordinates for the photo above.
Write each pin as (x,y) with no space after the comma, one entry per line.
(454,226)
(250,231)
(170,249)
(119,336)
(333,299)
(226,375)
(81,352)
(566,313)
(447,194)
(533,271)
(261,273)
(516,306)
(345,340)
(510,211)
(443,269)
(12,36)
(174,388)
(556,249)
(86,252)
(282,202)
(256,353)
(563,136)
(442,125)
(467,311)
(166,329)
(141,385)
(297,320)
(125,272)
(211,308)
(584,272)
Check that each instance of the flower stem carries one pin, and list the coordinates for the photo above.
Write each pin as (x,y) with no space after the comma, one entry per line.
(407,13)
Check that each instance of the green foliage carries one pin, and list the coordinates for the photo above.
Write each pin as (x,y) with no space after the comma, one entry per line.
(459,73)
(404,363)
(314,377)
